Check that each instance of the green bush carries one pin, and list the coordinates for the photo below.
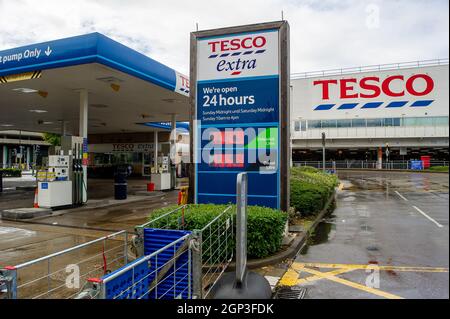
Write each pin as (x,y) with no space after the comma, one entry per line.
(310,189)
(265,226)
(265,231)
(438,169)
(11,172)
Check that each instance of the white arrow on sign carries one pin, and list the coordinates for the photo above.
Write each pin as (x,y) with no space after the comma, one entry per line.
(48,51)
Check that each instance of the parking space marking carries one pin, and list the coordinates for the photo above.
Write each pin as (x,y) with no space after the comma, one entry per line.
(419,210)
(401,196)
(428,217)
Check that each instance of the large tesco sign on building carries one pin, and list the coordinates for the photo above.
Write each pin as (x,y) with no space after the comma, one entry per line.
(415,91)
(372,86)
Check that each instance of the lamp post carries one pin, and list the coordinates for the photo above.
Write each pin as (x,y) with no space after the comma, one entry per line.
(323,150)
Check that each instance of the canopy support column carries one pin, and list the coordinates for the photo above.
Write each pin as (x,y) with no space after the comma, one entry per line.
(83,132)
(173,151)
(155,151)
(5,156)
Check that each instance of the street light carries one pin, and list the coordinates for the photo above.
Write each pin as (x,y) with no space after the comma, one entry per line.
(323,150)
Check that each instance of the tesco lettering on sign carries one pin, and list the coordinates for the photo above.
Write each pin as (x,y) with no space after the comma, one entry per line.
(238,55)
(372,86)
(415,91)
(182,84)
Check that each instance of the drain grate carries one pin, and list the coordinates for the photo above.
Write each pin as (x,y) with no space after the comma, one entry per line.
(293,292)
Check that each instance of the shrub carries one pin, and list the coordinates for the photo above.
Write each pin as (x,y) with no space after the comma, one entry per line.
(310,189)
(438,169)
(196,216)
(265,226)
(265,231)
(11,172)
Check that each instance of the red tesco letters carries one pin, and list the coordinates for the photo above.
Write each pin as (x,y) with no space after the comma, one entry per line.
(237,44)
(372,86)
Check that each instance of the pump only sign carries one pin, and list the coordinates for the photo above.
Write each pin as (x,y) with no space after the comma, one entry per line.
(237,118)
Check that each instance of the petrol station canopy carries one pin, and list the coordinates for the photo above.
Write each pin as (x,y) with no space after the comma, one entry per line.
(40,87)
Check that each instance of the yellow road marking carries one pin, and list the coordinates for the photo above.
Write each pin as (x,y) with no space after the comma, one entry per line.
(292,276)
(315,278)
(289,278)
(352,284)
(299,266)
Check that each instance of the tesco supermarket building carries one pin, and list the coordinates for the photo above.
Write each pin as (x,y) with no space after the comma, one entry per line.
(364,111)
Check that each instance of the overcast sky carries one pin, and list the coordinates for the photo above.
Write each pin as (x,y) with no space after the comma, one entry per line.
(324,33)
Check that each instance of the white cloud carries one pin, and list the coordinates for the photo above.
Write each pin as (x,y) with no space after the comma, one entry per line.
(324,34)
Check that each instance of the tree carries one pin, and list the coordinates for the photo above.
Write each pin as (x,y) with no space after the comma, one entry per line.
(52,138)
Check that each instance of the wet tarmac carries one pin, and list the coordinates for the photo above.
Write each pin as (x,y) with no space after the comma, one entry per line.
(22,241)
(386,219)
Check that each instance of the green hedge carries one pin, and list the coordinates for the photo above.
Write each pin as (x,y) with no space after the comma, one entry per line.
(438,169)
(265,226)
(11,172)
(310,189)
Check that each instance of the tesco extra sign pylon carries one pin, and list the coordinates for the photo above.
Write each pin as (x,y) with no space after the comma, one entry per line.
(240,91)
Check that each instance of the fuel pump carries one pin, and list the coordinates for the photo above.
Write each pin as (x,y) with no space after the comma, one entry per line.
(161,177)
(54,184)
(74,145)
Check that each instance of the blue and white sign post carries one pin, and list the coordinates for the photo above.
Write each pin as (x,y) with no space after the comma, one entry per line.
(240,113)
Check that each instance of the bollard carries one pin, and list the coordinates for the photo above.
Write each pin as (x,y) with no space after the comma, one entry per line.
(242,284)
(120,184)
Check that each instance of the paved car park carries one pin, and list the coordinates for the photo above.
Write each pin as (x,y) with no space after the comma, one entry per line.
(387,238)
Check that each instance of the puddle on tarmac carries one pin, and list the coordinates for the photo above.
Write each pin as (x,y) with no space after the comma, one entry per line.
(321,234)
(16,231)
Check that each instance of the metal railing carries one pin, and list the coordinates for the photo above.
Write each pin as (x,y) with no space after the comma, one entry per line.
(216,242)
(64,274)
(142,278)
(370,68)
(361,164)
(212,246)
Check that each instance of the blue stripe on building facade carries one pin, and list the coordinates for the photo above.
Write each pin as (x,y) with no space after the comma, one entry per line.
(347,106)
(422,103)
(397,104)
(324,107)
(372,105)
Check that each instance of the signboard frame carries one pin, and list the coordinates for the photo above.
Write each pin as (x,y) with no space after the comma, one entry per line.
(284,100)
